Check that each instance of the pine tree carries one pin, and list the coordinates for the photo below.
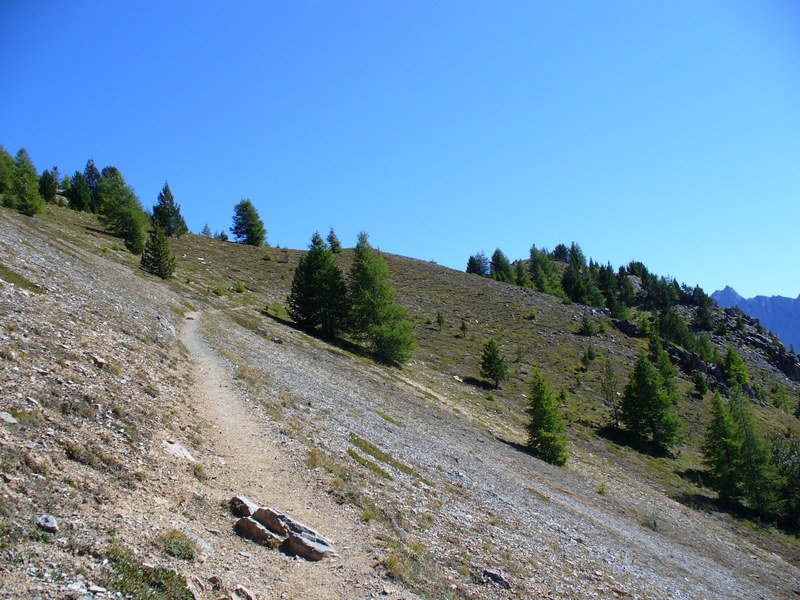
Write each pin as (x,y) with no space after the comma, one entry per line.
(24,194)
(157,257)
(478,264)
(121,210)
(647,407)
(248,228)
(721,451)
(333,242)
(47,186)
(167,214)
(318,297)
(493,363)
(206,232)
(7,168)
(376,318)
(79,195)
(92,176)
(521,276)
(500,267)
(546,426)
(734,368)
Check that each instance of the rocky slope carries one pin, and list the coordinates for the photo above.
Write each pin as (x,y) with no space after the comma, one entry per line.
(420,482)
(776,313)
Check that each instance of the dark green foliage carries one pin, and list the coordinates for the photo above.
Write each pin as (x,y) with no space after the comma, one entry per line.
(79,195)
(137,580)
(439,319)
(167,214)
(23,194)
(546,426)
(721,451)
(786,458)
(376,318)
(92,176)
(543,272)
(157,257)
(333,242)
(318,297)
(587,326)
(47,186)
(610,389)
(521,276)
(493,363)
(500,267)
(579,281)
(248,228)
(647,407)
(561,253)
(478,264)
(221,236)
(588,356)
(463,329)
(673,328)
(756,473)
(121,210)
(700,383)
(702,314)
(734,368)
(7,167)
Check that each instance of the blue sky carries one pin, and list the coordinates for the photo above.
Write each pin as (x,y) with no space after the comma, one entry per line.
(666,132)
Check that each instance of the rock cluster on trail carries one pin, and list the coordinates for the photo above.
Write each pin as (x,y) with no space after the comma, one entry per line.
(272,528)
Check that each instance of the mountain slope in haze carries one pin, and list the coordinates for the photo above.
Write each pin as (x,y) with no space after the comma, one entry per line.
(777,313)
(424,465)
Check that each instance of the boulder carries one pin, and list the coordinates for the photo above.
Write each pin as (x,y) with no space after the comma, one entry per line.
(242,506)
(497,577)
(252,529)
(47,523)
(307,545)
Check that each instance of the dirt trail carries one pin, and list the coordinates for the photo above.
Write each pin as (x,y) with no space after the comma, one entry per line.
(255,459)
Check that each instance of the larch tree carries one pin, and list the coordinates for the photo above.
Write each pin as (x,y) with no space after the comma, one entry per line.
(24,194)
(376,318)
(248,228)
(721,449)
(500,267)
(546,425)
(493,363)
(647,407)
(333,242)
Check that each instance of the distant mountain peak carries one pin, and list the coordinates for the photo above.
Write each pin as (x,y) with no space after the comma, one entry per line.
(727,297)
(777,313)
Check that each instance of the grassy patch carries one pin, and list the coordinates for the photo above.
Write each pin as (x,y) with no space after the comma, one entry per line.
(18,280)
(383,457)
(389,418)
(365,462)
(177,544)
(139,581)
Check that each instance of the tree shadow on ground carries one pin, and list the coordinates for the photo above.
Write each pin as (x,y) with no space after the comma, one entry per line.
(479,383)
(517,446)
(622,437)
(338,342)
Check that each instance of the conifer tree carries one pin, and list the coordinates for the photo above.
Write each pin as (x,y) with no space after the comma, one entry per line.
(24,194)
(647,407)
(333,242)
(7,167)
(248,228)
(500,267)
(521,276)
(376,318)
(721,451)
(167,214)
(121,210)
(79,195)
(478,264)
(493,363)
(47,186)
(157,257)
(546,426)
(206,232)
(755,470)
(92,176)
(734,368)
(318,298)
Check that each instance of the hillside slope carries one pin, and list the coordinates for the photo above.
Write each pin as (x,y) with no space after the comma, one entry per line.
(419,477)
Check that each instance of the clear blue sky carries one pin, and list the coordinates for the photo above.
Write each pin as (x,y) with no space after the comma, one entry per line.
(661,131)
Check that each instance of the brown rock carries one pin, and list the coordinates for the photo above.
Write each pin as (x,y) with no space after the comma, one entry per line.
(242,506)
(252,529)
